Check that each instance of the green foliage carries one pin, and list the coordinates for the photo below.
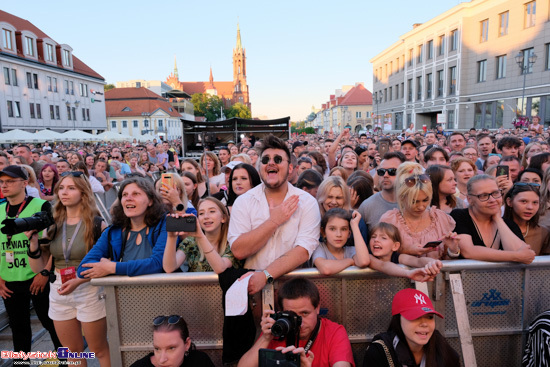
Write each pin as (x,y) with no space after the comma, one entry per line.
(238,110)
(207,106)
(107,87)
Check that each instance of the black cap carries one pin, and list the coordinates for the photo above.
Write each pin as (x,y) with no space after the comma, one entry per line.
(15,172)
(297,144)
(410,141)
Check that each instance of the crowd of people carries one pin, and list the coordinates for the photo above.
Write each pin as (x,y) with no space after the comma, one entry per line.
(260,209)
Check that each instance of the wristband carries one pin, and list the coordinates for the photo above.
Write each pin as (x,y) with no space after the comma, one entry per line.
(205,253)
(34,254)
(452,254)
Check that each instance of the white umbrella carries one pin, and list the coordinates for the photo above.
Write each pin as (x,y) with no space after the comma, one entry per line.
(49,135)
(20,136)
(146,137)
(114,136)
(77,135)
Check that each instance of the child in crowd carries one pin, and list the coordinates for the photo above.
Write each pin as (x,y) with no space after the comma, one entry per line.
(332,256)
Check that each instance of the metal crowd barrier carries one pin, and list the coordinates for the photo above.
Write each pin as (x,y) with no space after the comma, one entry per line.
(499,299)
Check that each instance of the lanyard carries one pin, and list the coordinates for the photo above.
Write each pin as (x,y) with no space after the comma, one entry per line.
(311,340)
(481,237)
(67,249)
(21,206)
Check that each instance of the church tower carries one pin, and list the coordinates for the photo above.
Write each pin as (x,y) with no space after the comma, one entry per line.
(240,87)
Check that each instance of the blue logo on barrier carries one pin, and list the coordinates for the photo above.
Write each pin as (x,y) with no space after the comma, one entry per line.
(492,299)
(65,353)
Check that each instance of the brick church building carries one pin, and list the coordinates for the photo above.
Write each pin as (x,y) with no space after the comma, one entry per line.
(230,92)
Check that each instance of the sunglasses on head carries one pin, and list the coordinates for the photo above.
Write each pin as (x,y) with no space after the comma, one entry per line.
(172,319)
(72,173)
(416,179)
(382,171)
(266,159)
(523,184)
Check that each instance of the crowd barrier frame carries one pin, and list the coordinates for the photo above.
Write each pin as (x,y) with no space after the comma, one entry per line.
(499,299)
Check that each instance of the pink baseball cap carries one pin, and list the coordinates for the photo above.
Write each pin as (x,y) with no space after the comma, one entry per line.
(412,304)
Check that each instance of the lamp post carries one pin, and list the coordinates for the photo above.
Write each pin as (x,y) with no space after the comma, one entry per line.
(525,66)
(377,101)
(145,115)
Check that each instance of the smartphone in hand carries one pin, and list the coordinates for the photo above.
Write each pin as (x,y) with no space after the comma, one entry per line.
(181,224)
(432,244)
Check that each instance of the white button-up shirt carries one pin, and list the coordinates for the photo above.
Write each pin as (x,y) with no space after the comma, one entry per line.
(251,209)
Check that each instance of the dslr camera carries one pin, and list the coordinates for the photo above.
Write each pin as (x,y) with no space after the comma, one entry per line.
(287,326)
(38,221)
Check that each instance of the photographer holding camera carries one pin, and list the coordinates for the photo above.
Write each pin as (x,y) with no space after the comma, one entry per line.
(321,342)
(18,283)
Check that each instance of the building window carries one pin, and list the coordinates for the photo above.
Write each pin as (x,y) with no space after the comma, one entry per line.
(72,88)
(66,87)
(503,24)
(29,80)
(397,65)
(410,90)
(430,50)
(440,83)
(451,119)
(10,108)
(55,85)
(69,113)
(403,90)
(441,45)
(50,87)
(547,61)
(501,67)
(452,80)
(419,53)
(358,114)
(29,43)
(52,113)
(391,68)
(124,124)
(17,109)
(35,80)
(397,91)
(481,71)
(87,114)
(83,89)
(390,91)
(57,113)
(66,58)
(146,123)
(385,95)
(7,76)
(14,77)
(49,52)
(411,57)
(489,114)
(83,114)
(113,124)
(6,38)
(38,111)
(31,107)
(74,113)
(530,14)
(527,67)
(454,40)
(418,88)
(484,31)
(135,123)
(429,83)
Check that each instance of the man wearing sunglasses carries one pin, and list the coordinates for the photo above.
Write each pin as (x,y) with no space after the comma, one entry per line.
(274,226)
(374,207)
(18,283)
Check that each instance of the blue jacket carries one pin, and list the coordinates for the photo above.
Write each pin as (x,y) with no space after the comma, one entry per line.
(151,265)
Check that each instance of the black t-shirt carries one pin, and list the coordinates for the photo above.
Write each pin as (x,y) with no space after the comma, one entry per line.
(465,225)
(13,209)
(170,155)
(194,359)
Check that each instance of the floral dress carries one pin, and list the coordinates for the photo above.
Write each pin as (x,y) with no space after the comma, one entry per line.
(192,255)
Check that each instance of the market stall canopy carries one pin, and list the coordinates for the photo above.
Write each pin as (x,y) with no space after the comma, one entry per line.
(20,136)
(77,135)
(114,136)
(50,135)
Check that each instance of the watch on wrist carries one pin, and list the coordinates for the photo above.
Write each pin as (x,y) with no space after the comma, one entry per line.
(45,273)
(180,207)
(269,279)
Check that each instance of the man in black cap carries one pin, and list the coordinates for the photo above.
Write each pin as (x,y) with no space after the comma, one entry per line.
(18,283)
(298,147)
(409,148)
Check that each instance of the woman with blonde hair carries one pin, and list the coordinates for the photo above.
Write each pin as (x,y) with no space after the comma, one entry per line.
(531,149)
(191,165)
(210,164)
(206,248)
(464,169)
(33,189)
(417,222)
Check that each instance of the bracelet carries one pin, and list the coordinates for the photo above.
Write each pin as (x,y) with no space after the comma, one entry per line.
(452,254)
(34,254)
(206,253)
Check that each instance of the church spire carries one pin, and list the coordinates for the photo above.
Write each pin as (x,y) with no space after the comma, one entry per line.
(176,68)
(211,79)
(239,45)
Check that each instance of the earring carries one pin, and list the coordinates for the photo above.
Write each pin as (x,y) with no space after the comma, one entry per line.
(186,354)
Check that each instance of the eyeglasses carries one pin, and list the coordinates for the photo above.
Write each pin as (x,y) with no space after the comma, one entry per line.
(172,319)
(305,159)
(8,182)
(72,173)
(277,159)
(382,171)
(416,179)
(495,155)
(523,184)
(484,197)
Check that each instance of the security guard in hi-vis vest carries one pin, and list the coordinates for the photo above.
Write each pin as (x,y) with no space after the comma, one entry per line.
(18,283)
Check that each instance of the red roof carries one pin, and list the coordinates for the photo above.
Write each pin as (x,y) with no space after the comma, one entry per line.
(21,24)
(137,101)
(357,95)
(223,88)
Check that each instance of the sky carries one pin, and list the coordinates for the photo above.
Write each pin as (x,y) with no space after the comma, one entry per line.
(298,52)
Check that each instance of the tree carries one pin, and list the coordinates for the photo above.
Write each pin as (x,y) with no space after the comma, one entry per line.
(107,87)
(239,110)
(207,106)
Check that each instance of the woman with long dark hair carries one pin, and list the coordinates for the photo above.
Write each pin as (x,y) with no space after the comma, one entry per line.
(47,179)
(242,178)
(444,188)
(411,339)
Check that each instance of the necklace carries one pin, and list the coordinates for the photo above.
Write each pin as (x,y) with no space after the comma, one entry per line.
(410,222)
(526,231)
(461,193)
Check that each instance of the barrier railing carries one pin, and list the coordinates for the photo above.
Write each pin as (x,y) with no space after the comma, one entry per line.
(499,299)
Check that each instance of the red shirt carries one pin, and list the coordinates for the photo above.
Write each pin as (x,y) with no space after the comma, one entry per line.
(331,345)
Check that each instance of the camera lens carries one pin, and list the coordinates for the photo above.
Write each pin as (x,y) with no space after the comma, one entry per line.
(280,328)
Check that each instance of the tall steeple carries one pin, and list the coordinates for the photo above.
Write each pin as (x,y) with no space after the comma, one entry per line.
(211,79)
(239,45)
(176,68)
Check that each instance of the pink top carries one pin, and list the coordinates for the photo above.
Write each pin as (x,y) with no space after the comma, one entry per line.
(441,225)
